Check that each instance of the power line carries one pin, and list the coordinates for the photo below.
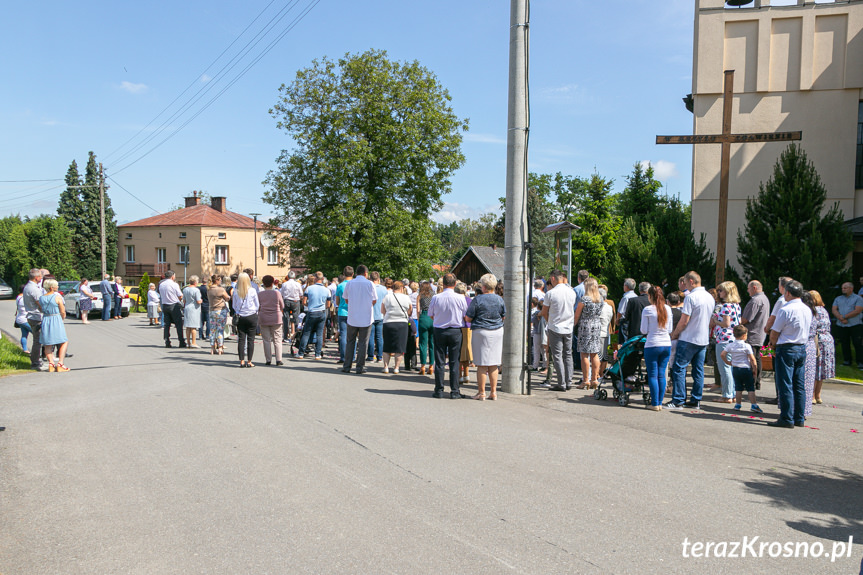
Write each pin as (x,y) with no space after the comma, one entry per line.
(28,181)
(133,195)
(227,68)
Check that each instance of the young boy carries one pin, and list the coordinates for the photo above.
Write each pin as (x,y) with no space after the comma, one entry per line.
(738,354)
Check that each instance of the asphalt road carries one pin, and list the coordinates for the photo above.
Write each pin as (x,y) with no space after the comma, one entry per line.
(151,460)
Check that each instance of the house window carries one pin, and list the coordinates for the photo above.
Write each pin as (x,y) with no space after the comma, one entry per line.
(128,236)
(223,236)
(221,255)
(184,254)
(130,254)
(182,235)
(858,180)
(272,256)
(161,255)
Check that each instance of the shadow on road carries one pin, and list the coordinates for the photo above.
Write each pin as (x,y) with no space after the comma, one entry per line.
(830,491)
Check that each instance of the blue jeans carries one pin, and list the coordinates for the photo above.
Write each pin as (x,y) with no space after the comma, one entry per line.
(25,333)
(790,367)
(343,336)
(725,375)
(686,354)
(656,359)
(314,323)
(107,307)
(376,340)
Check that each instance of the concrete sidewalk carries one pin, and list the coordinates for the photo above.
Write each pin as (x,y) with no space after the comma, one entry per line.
(152,460)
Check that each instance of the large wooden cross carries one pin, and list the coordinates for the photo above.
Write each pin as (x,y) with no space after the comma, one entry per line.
(726,138)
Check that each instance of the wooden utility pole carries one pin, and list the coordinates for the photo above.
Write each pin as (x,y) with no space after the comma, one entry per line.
(726,138)
(102,217)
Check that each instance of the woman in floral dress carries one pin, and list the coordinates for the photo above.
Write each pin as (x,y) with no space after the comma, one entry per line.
(820,355)
(724,318)
(588,318)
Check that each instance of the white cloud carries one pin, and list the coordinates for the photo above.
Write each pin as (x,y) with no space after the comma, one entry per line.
(568,93)
(484,138)
(133,88)
(662,170)
(453,212)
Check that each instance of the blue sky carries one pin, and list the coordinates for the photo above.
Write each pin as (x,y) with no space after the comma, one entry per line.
(605,78)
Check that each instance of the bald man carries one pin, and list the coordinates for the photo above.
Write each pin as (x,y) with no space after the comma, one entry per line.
(754,317)
(847,309)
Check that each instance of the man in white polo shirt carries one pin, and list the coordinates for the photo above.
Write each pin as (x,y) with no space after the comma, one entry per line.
(789,334)
(692,334)
(559,311)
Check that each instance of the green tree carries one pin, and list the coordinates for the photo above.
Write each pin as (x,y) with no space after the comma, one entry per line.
(376,142)
(143,290)
(79,207)
(788,232)
(14,253)
(49,244)
(593,247)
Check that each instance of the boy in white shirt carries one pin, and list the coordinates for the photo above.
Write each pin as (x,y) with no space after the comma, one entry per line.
(738,354)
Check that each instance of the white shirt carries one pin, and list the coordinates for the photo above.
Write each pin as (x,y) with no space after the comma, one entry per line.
(792,322)
(605,317)
(778,306)
(738,351)
(561,309)
(657,335)
(538,294)
(414,297)
(360,295)
(291,290)
(621,307)
(248,306)
(170,292)
(698,305)
(397,305)
(153,297)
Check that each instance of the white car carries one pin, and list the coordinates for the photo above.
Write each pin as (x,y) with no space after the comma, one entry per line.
(71,296)
(6,291)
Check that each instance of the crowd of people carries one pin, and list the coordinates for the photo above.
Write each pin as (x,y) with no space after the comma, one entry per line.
(448,327)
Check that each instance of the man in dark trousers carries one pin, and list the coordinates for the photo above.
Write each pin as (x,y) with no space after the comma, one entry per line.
(634,308)
(447,310)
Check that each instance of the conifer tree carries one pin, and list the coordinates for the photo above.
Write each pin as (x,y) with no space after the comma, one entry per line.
(788,232)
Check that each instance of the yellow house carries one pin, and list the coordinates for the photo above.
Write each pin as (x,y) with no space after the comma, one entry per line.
(200,240)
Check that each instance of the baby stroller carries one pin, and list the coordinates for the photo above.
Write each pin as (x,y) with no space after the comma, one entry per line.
(626,374)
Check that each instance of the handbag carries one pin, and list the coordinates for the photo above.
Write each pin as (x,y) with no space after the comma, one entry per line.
(412,330)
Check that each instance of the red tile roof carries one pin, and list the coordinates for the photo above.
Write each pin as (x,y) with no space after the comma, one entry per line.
(201,215)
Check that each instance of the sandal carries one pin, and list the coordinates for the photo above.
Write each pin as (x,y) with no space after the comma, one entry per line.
(584,385)
(493,397)
(594,384)
(479,397)
(60,367)
(51,367)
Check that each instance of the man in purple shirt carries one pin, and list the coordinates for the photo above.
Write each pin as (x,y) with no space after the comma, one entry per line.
(447,311)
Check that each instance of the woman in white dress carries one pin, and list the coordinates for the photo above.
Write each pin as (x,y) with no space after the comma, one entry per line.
(192,311)
(153,301)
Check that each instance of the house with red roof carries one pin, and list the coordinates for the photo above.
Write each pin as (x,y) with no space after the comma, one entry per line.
(199,239)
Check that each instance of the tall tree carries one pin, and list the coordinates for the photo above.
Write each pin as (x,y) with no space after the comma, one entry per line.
(79,207)
(14,253)
(49,244)
(376,142)
(593,248)
(788,232)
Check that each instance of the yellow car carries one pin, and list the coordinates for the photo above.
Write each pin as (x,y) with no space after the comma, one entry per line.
(133,292)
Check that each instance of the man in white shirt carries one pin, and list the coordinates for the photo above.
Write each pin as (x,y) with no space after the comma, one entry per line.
(559,312)
(172,308)
(292,295)
(789,334)
(692,334)
(360,296)
(537,289)
(628,293)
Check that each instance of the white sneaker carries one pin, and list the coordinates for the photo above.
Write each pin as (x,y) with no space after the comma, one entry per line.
(386,369)
(673,406)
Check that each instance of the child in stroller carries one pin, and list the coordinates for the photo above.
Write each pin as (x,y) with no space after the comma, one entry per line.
(625,373)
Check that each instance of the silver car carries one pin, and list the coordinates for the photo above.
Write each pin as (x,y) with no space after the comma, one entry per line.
(73,294)
(6,292)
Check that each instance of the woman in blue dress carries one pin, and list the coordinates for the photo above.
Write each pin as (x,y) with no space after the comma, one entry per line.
(53,331)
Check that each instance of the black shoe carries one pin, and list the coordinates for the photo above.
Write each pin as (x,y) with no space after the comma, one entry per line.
(183,344)
(437,395)
(757,387)
(345,370)
(774,401)
(168,344)
(361,371)
(456,395)
(280,363)
(268,363)
(69,355)
(557,388)
(692,404)
(784,424)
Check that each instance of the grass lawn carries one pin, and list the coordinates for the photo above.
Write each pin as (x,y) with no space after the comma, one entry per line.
(12,359)
(847,372)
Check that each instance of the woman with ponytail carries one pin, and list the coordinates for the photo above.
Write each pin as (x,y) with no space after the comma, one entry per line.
(656,324)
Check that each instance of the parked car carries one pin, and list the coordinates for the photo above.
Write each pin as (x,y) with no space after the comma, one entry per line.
(132,292)
(65,286)
(6,291)
(71,297)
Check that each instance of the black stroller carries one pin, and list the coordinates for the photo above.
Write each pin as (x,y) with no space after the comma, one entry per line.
(626,373)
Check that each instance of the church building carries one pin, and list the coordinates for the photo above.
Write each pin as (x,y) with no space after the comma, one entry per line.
(798,67)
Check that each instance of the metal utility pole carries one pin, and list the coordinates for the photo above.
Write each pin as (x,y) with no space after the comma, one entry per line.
(102,216)
(514,378)
(255,242)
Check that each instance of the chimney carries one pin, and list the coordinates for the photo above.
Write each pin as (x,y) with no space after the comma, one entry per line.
(193,201)
(218,203)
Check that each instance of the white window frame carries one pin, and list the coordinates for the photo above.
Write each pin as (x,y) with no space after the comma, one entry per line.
(272,256)
(130,250)
(161,255)
(225,252)
(181,249)
(223,236)
(182,235)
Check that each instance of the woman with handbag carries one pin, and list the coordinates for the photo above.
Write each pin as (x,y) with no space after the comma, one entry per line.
(396,309)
